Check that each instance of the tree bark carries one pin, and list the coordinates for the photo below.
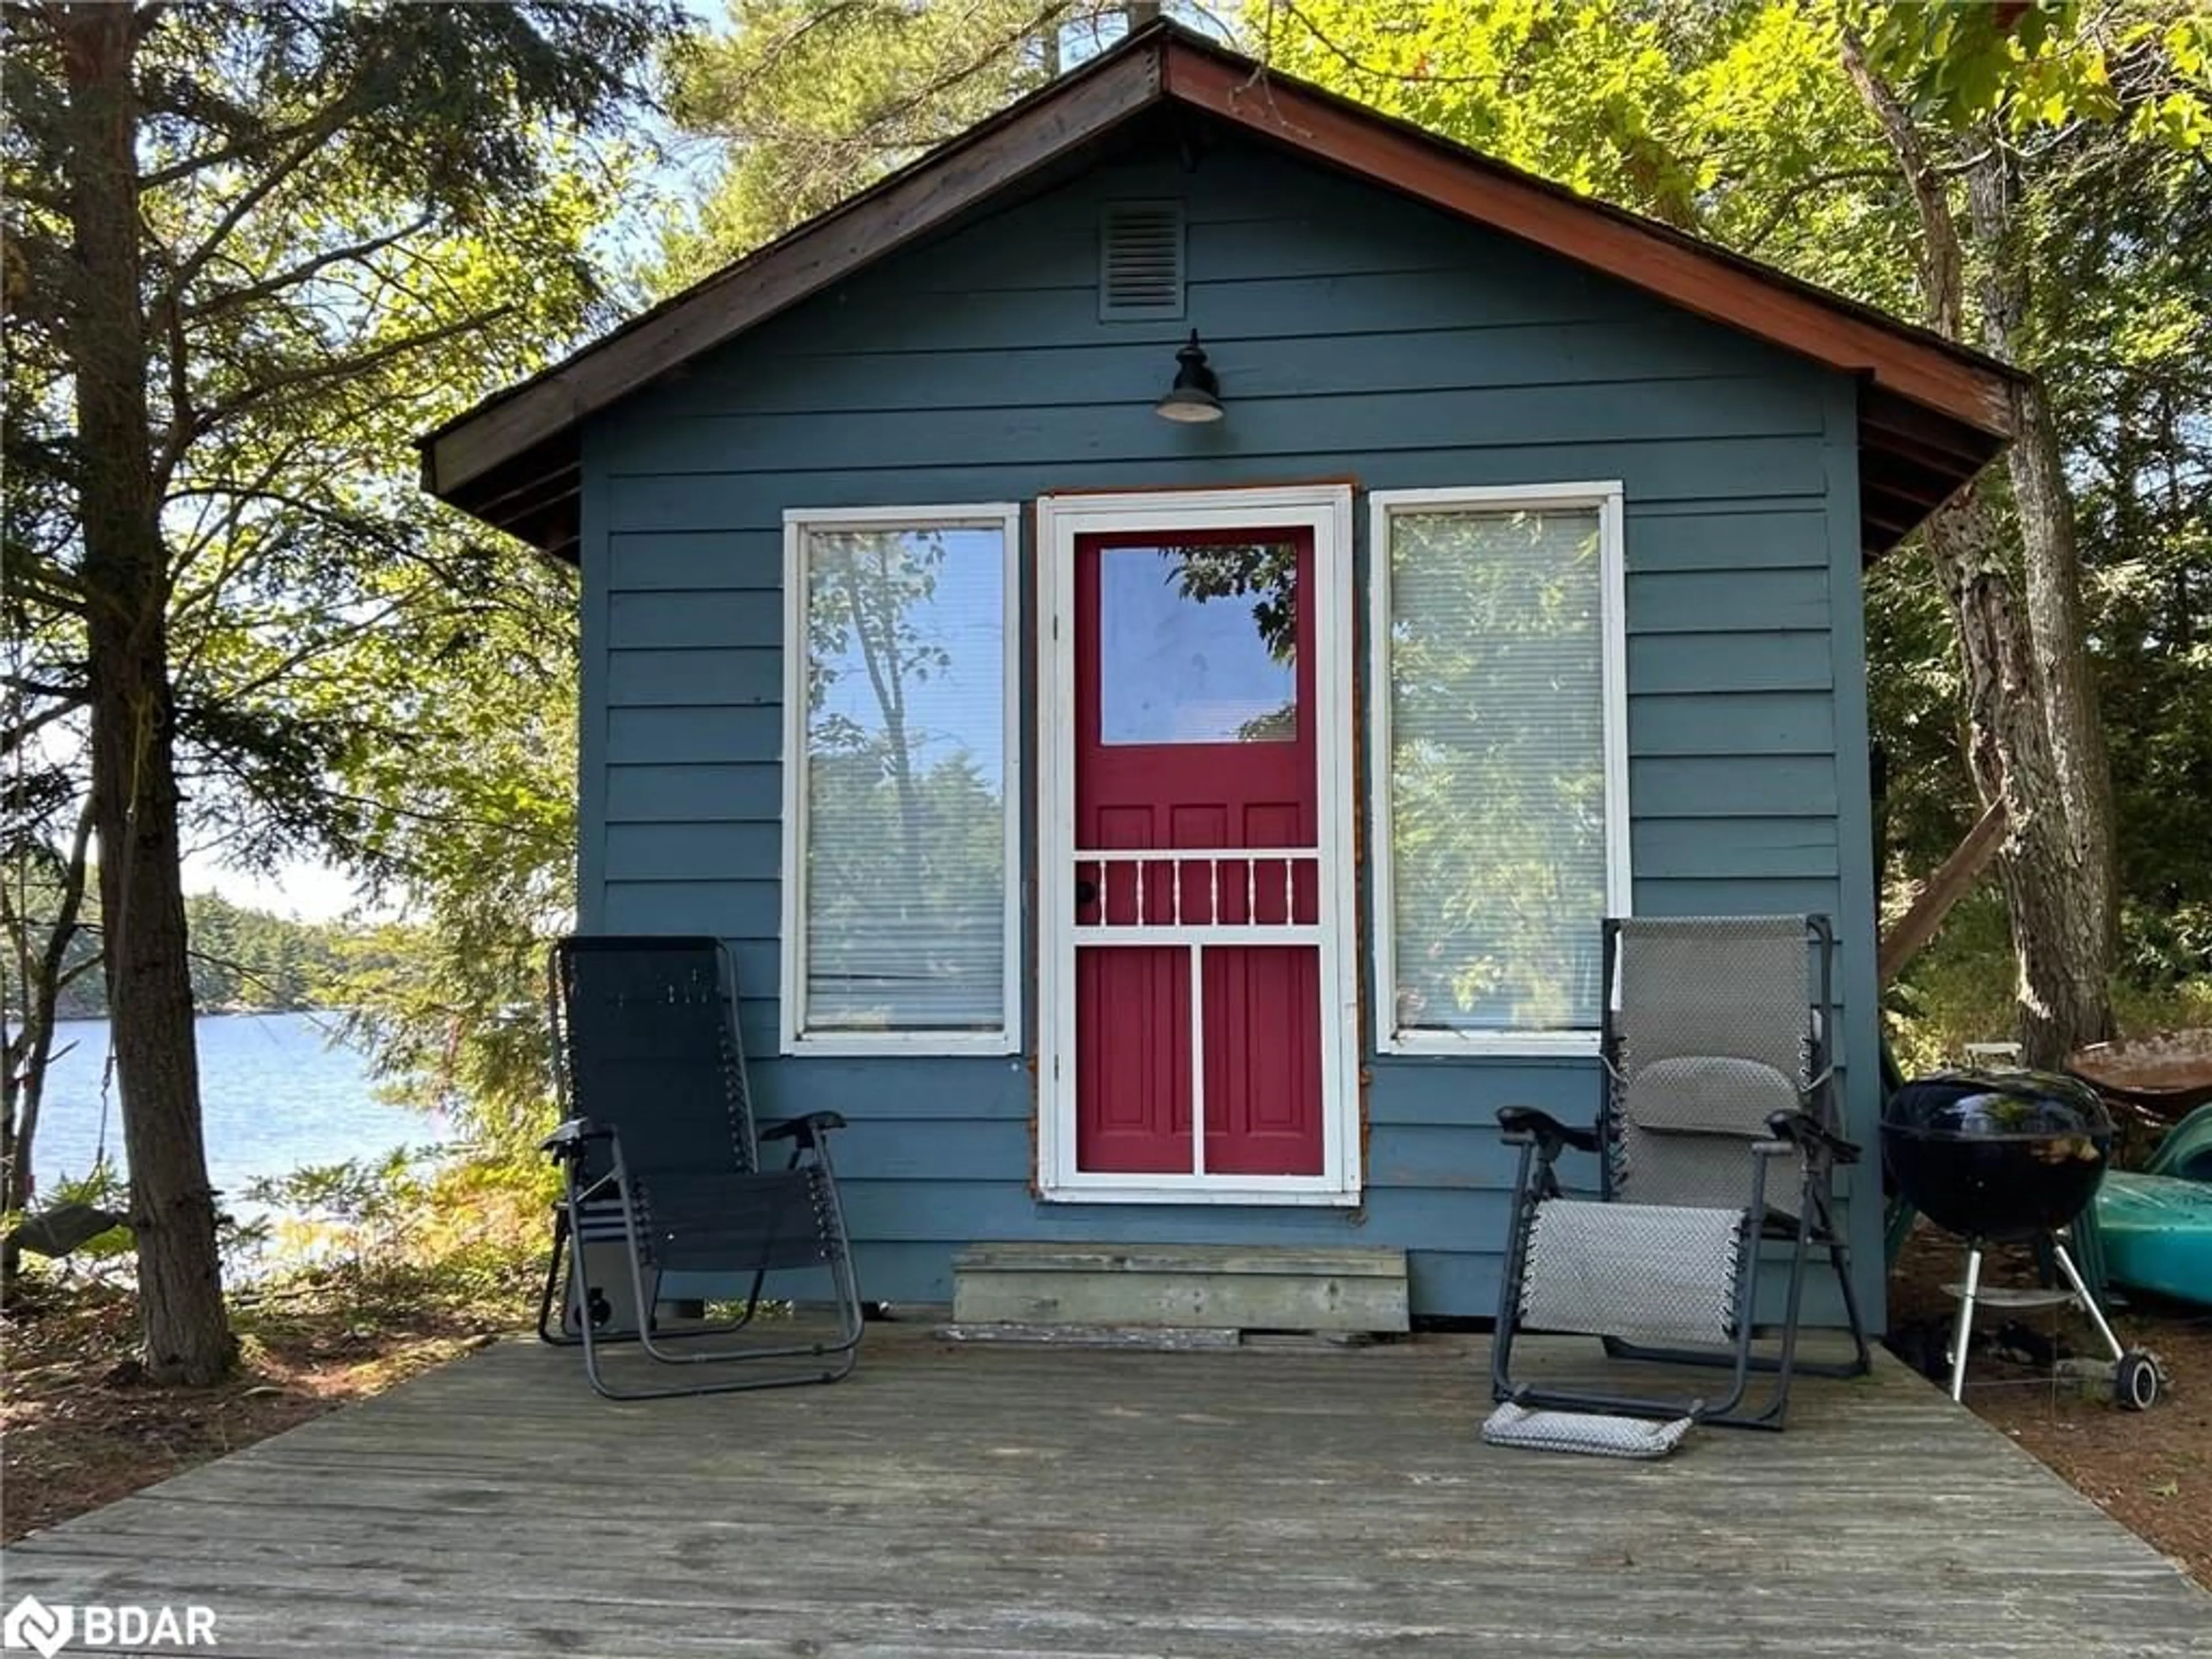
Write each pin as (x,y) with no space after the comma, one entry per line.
(135,802)
(2059,905)
(2060,984)
(2050,561)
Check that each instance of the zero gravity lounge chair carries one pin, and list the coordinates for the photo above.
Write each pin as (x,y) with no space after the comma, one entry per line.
(1717,1130)
(662,1175)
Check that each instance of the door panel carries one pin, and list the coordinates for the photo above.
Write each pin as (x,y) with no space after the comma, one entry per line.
(1133,1061)
(1194,737)
(1263,1089)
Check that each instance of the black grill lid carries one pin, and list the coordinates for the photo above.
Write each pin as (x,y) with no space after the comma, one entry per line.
(1968,1105)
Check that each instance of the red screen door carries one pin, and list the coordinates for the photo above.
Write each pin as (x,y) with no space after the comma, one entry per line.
(1198,1003)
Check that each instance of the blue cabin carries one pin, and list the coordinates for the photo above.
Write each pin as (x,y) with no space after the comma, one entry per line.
(1156,632)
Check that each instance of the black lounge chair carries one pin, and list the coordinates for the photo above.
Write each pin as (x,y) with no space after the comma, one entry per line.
(1715,1043)
(661,1166)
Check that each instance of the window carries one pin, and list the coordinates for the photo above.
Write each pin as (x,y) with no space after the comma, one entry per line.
(900,922)
(1501,768)
(1186,655)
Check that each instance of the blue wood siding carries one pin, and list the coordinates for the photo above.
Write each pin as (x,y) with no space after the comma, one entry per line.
(1355,334)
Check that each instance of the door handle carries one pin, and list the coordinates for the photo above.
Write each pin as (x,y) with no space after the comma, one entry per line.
(1087,892)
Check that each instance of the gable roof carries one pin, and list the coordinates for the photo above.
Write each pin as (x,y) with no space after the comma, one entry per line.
(1931,413)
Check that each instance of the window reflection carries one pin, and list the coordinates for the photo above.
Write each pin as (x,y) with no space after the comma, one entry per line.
(1198,644)
(1496,768)
(905,824)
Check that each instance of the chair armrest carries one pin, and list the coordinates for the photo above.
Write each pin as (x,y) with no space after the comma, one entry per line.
(568,1140)
(1809,1135)
(806,1130)
(1525,1124)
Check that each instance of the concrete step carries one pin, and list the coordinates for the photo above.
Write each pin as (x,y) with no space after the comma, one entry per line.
(1195,1286)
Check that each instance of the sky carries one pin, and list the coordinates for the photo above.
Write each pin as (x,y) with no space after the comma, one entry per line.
(304,892)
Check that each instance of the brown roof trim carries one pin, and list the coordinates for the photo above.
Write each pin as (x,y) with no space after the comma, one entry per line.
(1933,412)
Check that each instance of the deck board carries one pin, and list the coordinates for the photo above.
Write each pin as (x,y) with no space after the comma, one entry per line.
(952,1502)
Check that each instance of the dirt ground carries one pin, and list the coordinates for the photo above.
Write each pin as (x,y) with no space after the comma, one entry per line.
(77,1430)
(2152,1472)
(80,1431)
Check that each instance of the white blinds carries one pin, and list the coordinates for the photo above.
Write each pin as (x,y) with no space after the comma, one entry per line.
(904,860)
(1497,769)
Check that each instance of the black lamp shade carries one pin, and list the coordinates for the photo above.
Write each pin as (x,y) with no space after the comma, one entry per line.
(1196,394)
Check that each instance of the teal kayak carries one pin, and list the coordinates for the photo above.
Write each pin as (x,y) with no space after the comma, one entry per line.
(2156,1234)
(2187,1150)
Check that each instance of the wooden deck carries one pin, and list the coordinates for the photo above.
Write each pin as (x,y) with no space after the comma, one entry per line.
(994,1502)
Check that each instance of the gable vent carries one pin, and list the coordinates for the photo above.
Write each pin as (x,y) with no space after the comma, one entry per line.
(1140,261)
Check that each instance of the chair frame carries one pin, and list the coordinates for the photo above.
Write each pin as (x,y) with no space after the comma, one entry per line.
(586,1196)
(1809,1134)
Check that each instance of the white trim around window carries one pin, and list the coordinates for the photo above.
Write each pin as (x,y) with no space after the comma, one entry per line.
(799,523)
(1605,499)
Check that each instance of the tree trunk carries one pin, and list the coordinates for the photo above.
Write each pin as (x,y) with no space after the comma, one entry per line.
(2059,983)
(2059,902)
(2050,560)
(187,1332)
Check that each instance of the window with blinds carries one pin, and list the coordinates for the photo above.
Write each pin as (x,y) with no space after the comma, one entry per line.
(900,917)
(1498,650)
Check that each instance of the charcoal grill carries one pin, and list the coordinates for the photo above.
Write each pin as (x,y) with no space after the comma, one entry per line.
(2005,1157)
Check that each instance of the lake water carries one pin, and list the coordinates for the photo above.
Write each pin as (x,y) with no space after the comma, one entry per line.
(275,1093)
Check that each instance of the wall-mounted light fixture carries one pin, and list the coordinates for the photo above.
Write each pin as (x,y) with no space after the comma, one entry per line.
(1196,394)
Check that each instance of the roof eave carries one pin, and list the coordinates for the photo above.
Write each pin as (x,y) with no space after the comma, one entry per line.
(1932,413)
(984,160)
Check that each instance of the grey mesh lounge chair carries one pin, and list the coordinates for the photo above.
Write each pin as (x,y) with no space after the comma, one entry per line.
(659,1158)
(1717,1129)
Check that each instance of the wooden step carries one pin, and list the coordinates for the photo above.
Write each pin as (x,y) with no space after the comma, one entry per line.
(1198,1286)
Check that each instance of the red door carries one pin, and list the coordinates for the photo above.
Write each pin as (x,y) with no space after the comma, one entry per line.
(1198,988)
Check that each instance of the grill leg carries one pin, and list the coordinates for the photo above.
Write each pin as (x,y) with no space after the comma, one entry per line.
(2089,1303)
(1965,1331)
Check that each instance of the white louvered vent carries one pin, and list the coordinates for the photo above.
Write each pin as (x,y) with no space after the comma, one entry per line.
(1140,261)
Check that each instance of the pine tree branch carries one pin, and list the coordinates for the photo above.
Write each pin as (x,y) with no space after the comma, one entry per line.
(360,628)
(13,738)
(37,195)
(345,368)
(43,582)
(253,142)
(185,421)
(29,687)
(315,134)
(232,491)
(230,299)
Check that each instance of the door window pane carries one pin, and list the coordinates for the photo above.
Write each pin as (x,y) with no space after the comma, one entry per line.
(905,878)
(1497,769)
(1198,644)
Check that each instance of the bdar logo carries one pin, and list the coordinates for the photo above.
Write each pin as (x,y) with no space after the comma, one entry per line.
(32,1624)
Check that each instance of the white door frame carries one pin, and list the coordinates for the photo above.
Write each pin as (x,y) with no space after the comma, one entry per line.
(1325,511)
